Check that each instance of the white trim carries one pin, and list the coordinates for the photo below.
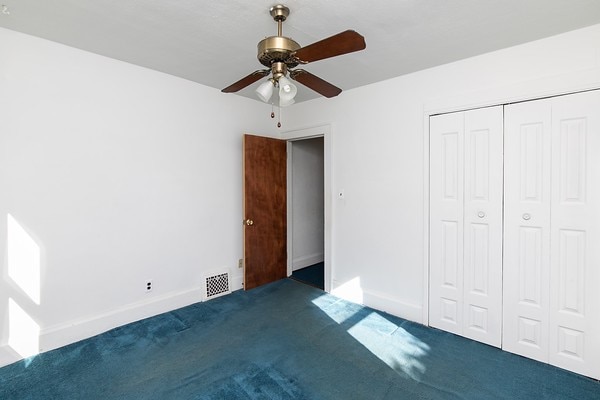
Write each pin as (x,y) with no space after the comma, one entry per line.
(306,133)
(8,356)
(235,282)
(379,301)
(587,79)
(75,330)
(425,308)
(289,203)
(307,261)
(563,84)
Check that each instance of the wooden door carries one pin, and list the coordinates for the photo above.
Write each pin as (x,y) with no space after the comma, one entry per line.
(265,211)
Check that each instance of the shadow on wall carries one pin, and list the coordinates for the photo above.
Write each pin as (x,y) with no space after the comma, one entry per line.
(21,282)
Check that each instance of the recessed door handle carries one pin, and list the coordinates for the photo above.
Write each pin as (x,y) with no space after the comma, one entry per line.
(249,222)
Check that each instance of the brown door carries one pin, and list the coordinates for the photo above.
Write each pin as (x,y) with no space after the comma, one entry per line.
(265,218)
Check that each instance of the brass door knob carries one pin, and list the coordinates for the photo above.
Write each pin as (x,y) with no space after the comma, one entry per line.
(249,222)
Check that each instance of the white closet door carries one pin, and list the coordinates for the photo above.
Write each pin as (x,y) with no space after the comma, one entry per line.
(575,234)
(466,224)
(551,268)
(527,183)
(482,309)
(446,222)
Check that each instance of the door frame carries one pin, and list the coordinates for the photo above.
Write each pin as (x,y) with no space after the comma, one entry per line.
(500,95)
(323,131)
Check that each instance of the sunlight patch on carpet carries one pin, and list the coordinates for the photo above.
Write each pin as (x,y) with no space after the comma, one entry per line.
(391,344)
(399,349)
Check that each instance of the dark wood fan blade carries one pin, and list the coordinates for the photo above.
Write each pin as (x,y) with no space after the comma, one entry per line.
(336,45)
(248,80)
(315,83)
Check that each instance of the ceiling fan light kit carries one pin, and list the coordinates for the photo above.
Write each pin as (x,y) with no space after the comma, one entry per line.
(287,91)
(281,55)
(265,91)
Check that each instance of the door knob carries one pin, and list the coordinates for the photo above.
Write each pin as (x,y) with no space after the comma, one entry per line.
(249,222)
(526,216)
(481,214)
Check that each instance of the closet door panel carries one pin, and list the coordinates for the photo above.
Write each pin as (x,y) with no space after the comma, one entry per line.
(446,222)
(527,190)
(575,254)
(483,225)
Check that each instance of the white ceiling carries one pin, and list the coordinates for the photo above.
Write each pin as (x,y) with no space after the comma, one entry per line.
(214,42)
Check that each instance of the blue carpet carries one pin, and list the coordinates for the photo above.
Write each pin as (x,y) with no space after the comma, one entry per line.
(313,275)
(284,340)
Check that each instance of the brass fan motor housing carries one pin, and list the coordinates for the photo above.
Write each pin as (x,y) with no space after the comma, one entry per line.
(281,55)
(277,49)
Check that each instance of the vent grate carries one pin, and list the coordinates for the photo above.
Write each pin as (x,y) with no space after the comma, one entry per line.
(217,285)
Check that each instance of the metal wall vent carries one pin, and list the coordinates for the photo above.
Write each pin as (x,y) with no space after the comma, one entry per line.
(216,285)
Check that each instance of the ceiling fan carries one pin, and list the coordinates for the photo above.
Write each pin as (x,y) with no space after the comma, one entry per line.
(282,55)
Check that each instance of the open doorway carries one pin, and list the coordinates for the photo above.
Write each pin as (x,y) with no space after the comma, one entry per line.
(306,216)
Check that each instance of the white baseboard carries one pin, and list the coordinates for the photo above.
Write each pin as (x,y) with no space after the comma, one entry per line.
(307,261)
(379,301)
(8,355)
(352,291)
(73,331)
(236,283)
(63,334)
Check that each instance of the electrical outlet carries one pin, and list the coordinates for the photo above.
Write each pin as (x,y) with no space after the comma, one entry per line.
(149,285)
(241,263)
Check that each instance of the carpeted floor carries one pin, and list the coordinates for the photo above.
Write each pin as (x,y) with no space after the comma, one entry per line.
(313,275)
(284,340)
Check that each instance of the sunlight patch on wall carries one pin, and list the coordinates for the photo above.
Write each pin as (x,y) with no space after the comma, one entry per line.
(23,331)
(351,291)
(23,259)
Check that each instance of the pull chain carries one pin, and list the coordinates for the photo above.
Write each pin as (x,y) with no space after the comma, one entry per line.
(279,122)
(273,115)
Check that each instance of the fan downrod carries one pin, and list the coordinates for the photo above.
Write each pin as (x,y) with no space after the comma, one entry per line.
(274,49)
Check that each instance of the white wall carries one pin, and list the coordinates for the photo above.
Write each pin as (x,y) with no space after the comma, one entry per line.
(380,141)
(307,202)
(119,174)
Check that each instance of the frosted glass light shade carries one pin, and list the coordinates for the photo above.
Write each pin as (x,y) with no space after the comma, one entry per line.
(287,91)
(285,103)
(265,91)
